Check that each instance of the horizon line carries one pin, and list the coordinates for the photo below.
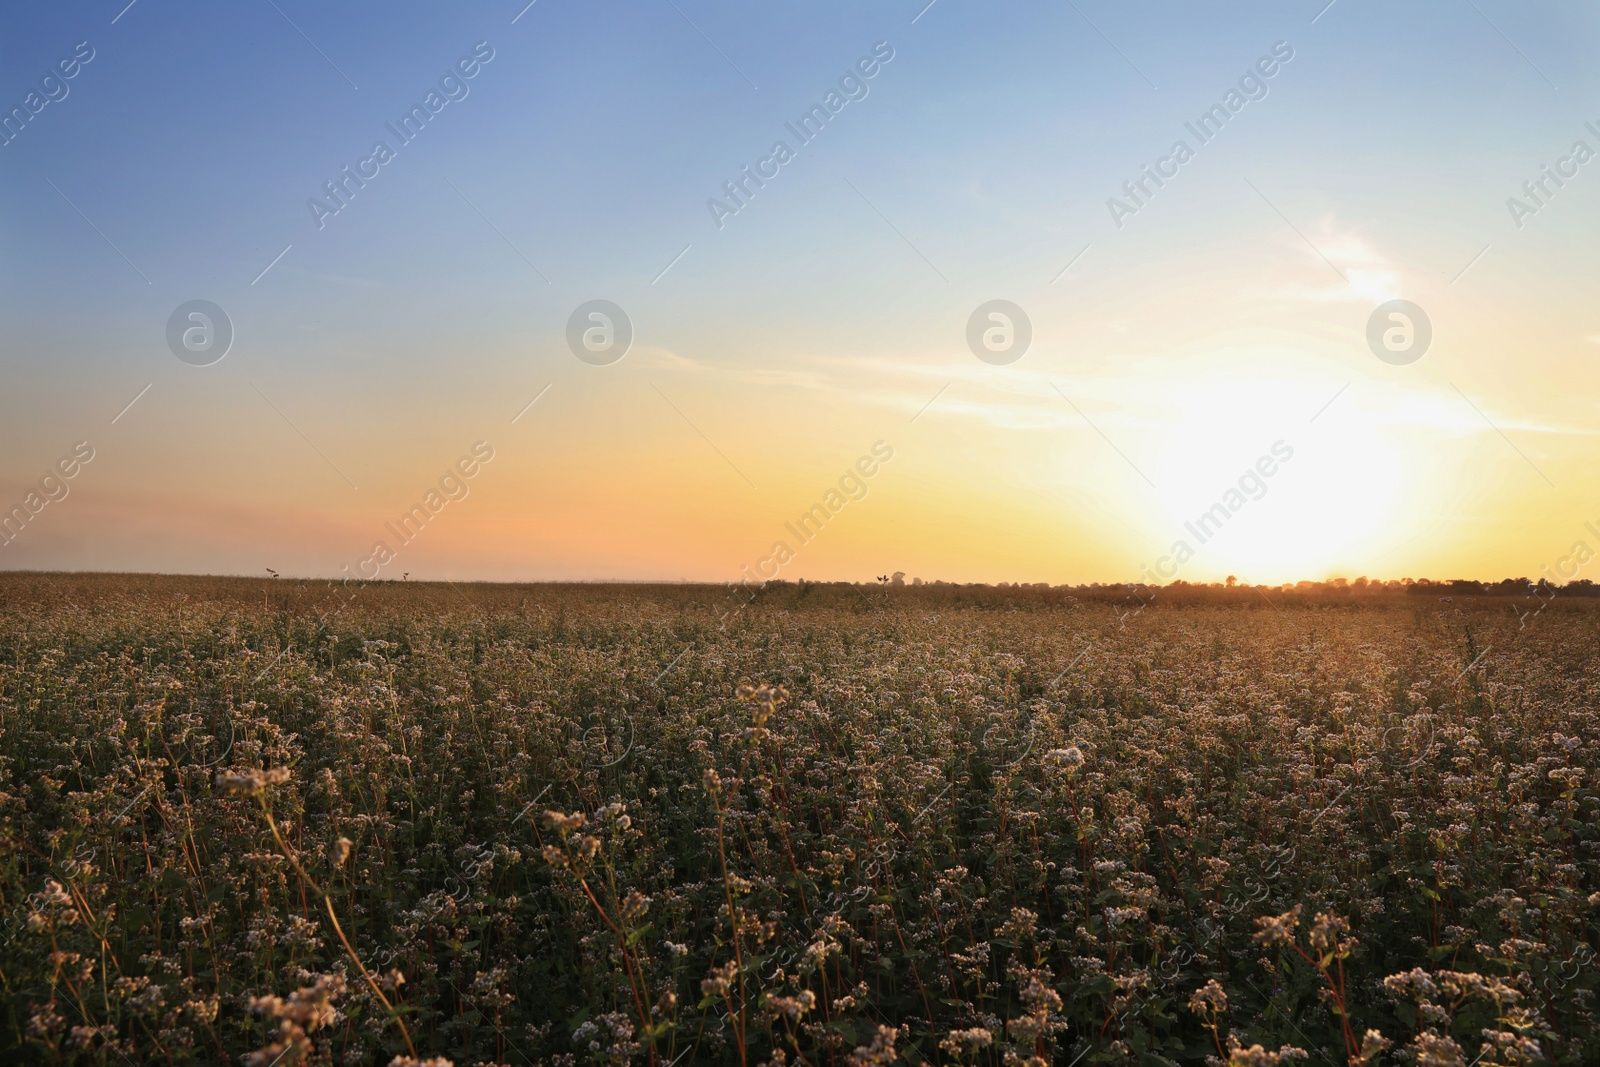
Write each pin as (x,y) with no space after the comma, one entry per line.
(1338,583)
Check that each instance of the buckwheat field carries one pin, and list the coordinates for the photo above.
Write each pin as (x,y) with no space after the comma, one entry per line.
(278,822)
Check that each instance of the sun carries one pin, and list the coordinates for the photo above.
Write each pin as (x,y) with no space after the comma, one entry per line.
(1257,488)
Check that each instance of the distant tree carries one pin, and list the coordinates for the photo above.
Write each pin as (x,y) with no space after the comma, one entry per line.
(899,579)
(1232,581)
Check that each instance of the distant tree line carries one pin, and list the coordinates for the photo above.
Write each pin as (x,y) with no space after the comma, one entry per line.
(1466,587)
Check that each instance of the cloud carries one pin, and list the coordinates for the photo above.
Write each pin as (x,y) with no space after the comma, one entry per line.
(1143,393)
(668,360)
(665,359)
(1371,278)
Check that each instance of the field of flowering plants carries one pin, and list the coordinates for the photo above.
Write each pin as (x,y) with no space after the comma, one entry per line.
(277,822)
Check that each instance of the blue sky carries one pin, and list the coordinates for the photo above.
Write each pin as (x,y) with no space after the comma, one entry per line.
(379,346)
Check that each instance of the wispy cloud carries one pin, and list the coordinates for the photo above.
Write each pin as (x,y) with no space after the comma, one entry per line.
(1372,277)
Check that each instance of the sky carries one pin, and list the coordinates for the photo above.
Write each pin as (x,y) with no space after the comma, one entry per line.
(393,378)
